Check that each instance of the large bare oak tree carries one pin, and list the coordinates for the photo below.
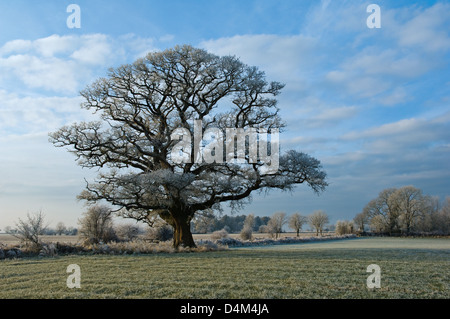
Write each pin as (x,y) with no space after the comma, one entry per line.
(142,104)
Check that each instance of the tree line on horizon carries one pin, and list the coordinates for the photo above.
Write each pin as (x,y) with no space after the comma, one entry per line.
(396,211)
(97,226)
(405,210)
(203,224)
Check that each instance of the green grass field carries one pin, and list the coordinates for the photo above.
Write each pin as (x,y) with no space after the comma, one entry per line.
(410,268)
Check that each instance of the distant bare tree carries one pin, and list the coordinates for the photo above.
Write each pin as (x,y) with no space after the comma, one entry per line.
(318,219)
(276,223)
(405,209)
(9,230)
(378,224)
(428,220)
(409,202)
(360,221)
(385,212)
(296,222)
(247,230)
(442,223)
(344,227)
(60,228)
(30,230)
(97,225)
(72,231)
(446,207)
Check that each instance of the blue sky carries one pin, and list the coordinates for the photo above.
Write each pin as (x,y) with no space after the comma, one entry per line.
(372,104)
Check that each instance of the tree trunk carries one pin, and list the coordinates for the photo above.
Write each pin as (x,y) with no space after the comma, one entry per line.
(182,235)
(180,220)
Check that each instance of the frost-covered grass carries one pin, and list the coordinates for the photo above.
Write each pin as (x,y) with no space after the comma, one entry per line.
(216,241)
(410,268)
(234,242)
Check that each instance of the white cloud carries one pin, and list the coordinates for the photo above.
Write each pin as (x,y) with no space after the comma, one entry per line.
(94,50)
(131,46)
(52,73)
(24,115)
(18,46)
(65,64)
(380,63)
(406,137)
(283,58)
(372,72)
(345,159)
(411,149)
(388,62)
(54,45)
(397,96)
(427,30)
(335,17)
(405,126)
(337,113)
(330,116)
(337,51)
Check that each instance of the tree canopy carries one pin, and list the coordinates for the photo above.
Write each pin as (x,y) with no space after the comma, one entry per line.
(150,165)
(404,210)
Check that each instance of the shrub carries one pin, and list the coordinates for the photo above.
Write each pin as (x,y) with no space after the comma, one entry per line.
(206,245)
(160,233)
(219,234)
(344,227)
(263,229)
(247,230)
(29,231)
(13,253)
(127,232)
(229,242)
(97,225)
(246,233)
(48,250)
(68,248)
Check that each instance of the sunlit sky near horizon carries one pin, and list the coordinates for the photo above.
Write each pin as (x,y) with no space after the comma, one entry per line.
(372,104)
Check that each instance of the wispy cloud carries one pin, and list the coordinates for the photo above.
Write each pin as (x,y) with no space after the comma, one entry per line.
(289,59)
(29,115)
(410,130)
(63,64)
(426,31)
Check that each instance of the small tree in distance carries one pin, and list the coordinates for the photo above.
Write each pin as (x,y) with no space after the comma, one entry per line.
(318,219)
(247,230)
(296,222)
(60,228)
(442,223)
(276,223)
(30,230)
(404,210)
(344,227)
(360,221)
(97,225)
